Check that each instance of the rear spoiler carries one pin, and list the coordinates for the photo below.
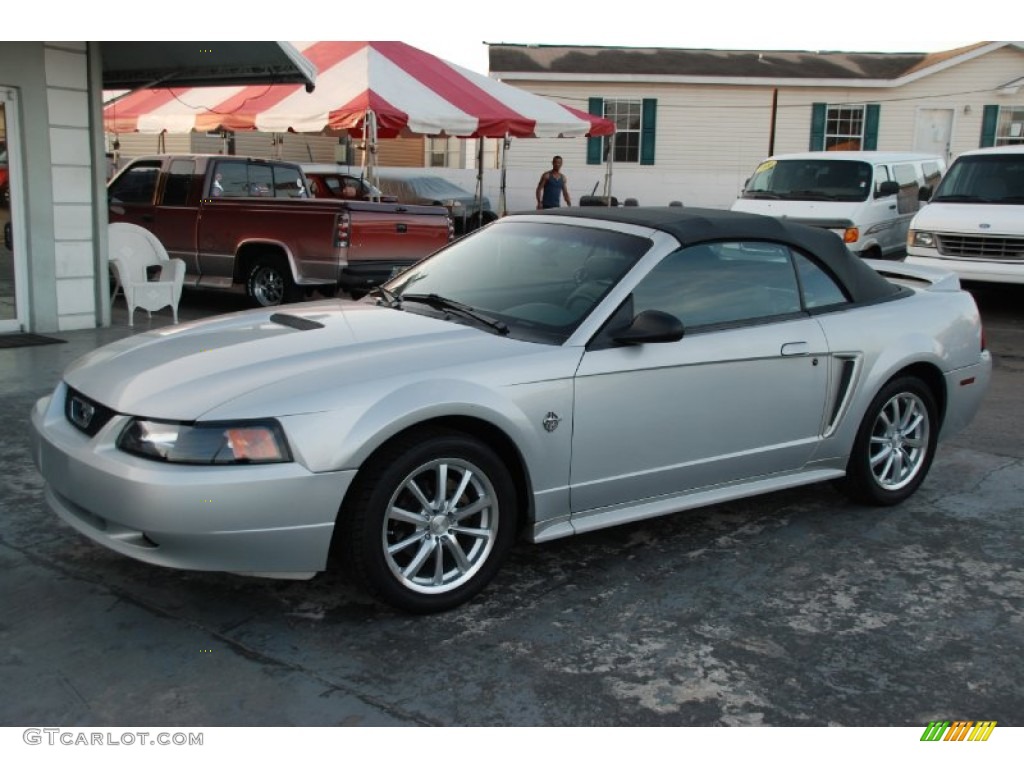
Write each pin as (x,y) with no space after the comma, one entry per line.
(916,275)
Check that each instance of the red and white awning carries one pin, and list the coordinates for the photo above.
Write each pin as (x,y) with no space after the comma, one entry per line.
(408,91)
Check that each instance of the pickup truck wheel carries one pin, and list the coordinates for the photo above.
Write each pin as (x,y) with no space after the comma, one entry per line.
(269,284)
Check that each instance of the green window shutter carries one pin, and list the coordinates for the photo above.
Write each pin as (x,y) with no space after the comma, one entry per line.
(871,126)
(595,144)
(989,119)
(818,110)
(649,123)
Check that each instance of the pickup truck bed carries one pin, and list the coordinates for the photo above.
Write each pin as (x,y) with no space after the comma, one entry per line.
(241,223)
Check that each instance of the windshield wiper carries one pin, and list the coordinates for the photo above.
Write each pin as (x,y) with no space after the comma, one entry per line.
(450,305)
(760,196)
(956,199)
(808,194)
(389,297)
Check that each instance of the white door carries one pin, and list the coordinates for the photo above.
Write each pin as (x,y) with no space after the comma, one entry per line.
(934,131)
(12,259)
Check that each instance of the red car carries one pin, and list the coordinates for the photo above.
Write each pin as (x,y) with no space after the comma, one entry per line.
(5,179)
(327,181)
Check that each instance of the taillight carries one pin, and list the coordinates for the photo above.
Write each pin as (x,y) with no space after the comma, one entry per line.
(451,229)
(344,230)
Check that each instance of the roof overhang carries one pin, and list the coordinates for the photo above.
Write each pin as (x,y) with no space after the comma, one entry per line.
(131,65)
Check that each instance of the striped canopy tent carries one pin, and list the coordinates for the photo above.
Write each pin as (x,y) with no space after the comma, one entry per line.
(364,88)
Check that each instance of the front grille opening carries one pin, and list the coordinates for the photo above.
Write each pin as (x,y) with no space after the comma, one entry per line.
(981,247)
(84,413)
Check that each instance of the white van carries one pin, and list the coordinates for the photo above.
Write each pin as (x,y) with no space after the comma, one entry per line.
(867,198)
(974,225)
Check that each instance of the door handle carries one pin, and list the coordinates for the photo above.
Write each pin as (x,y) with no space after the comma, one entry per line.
(401,227)
(794,348)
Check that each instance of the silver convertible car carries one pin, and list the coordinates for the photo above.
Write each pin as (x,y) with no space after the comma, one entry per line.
(551,374)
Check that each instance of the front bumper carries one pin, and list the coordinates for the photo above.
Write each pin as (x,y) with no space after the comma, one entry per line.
(972,268)
(270,519)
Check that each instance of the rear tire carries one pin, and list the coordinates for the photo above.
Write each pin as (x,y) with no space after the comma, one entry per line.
(270,283)
(429,521)
(895,444)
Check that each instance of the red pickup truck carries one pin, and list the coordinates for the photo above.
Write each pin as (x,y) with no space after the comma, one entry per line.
(242,222)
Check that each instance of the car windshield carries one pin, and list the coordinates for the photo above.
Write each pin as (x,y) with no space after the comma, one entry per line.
(813,179)
(538,279)
(997,178)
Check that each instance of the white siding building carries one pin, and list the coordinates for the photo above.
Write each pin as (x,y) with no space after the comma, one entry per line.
(694,124)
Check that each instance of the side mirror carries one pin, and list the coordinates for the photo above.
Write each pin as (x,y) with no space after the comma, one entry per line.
(924,194)
(887,188)
(651,326)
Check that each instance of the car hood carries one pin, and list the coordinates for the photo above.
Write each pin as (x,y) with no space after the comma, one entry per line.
(805,211)
(970,218)
(264,358)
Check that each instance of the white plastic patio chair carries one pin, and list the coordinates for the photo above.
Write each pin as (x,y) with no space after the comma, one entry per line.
(132,250)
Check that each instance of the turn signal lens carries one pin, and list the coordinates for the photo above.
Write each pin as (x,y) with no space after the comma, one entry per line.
(851,235)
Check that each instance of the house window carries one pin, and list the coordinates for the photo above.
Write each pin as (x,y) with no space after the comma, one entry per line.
(1010,129)
(844,127)
(627,116)
(443,152)
(635,130)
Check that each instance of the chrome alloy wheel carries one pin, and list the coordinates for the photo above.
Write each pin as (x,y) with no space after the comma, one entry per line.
(267,286)
(899,441)
(440,526)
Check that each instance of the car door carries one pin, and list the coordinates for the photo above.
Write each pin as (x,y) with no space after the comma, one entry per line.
(741,395)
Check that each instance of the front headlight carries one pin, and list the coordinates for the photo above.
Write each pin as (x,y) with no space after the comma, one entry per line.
(238,442)
(921,239)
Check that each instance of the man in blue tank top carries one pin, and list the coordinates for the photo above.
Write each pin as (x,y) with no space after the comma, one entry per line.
(553,186)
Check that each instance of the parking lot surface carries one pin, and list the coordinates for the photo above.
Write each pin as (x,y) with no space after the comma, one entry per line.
(796,608)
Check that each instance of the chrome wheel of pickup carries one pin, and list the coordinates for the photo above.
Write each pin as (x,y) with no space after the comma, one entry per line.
(269,284)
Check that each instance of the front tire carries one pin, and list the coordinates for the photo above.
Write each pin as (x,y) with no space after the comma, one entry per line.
(429,521)
(895,444)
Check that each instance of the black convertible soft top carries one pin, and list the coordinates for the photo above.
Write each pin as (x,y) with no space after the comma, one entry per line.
(700,225)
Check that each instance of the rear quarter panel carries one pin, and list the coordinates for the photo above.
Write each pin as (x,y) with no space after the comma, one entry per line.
(938,328)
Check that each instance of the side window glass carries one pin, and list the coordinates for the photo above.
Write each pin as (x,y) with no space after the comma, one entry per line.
(819,289)
(906,198)
(230,180)
(288,182)
(881,174)
(720,283)
(261,181)
(179,182)
(932,174)
(137,184)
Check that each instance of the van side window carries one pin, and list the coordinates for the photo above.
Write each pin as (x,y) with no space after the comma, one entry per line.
(932,174)
(906,199)
(881,174)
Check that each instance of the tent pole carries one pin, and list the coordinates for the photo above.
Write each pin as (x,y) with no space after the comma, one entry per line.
(608,171)
(502,198)
(370,157)
(479,182)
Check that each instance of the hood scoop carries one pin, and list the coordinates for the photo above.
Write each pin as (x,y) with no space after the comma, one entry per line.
(294,321)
